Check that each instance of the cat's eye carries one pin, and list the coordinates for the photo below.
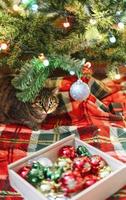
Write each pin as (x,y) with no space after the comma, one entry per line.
(50,103)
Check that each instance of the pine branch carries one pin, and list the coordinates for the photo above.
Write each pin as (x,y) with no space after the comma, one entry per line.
(34,73)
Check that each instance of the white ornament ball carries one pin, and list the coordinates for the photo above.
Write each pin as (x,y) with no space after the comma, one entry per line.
(46,162)
(79,90)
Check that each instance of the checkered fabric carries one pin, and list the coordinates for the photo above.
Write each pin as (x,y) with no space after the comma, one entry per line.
(90,120)
(98,88)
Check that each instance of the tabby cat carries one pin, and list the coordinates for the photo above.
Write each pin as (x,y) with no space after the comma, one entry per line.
(30,114)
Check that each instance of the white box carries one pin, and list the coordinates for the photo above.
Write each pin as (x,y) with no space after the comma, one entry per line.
(98,191)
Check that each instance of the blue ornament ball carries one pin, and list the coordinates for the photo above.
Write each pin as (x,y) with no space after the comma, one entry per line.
(79,90)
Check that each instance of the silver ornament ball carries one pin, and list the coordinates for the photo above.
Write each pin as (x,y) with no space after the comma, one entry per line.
(79,90)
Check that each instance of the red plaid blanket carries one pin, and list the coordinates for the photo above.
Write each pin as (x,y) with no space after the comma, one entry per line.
(91,120)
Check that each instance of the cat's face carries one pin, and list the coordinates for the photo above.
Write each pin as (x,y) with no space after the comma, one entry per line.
(47,101)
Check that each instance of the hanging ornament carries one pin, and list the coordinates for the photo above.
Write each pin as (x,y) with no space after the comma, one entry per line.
(87,64)
(87,70)
(79,90)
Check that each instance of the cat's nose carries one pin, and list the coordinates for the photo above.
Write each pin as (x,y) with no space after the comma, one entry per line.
(45,110)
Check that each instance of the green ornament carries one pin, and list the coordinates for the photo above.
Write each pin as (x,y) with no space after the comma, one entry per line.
(33,172)
(56,174)
(53,173)
(83,151)
(48,172)
(33,180)
(36,174)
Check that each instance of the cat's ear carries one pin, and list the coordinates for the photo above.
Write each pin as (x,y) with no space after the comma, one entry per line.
(55,91)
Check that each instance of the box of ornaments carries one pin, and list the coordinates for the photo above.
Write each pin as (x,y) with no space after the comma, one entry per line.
(70,169)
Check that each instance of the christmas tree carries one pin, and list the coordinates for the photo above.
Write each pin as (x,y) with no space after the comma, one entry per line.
(37,37)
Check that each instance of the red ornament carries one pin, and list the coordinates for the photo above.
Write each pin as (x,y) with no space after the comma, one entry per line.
(82,164)
(24,171)
(90,180)
(71,182)
(97,163)
(67,152)
(87,70)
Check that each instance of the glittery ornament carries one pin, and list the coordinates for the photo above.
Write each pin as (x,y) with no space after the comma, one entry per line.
(57,196)
(67,152)
(36,174)
(105,171)
(47,186)
(97,163)
(79,90)
(24,171)
(71,182)
(64,163)
(53,173)
(82,151)
(90,180)
(82,164)
(46,162)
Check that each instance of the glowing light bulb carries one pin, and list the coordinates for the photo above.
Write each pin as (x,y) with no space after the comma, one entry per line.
(34,7)
(72,72)
(46,62)
(93,21)
(118,13)
(117,76)
(112,39)
(121,25)
(3,46)
(66,24)
(16,7)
